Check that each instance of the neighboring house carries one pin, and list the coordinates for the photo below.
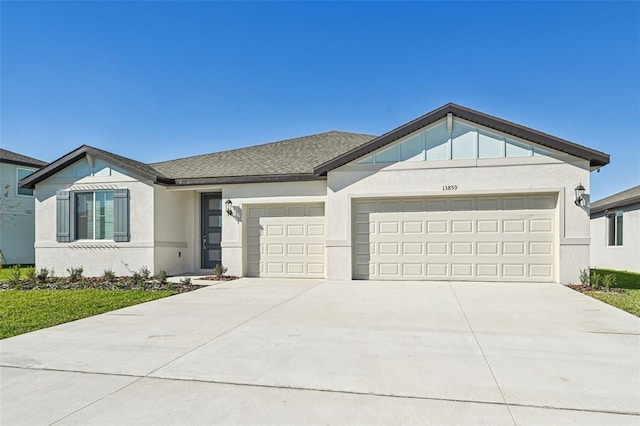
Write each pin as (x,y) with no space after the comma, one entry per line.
(17,219)
(615,231)
(453,195)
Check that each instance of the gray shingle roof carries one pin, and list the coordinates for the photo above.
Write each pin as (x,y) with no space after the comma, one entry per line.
(128,163)
(296,156)
(7,156)
(621,199)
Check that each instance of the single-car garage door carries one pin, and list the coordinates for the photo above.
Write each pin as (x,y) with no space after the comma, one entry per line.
(286,241)
(491,238)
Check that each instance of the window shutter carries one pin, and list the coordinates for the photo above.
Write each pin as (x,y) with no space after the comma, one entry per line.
(63,214)
(121,215)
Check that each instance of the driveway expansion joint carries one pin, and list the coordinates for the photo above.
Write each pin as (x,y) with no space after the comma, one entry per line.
(309,389)
(138,377)
(495,380)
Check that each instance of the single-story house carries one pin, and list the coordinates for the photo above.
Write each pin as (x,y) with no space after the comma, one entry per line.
(17,218)
(615,231)
(455,194)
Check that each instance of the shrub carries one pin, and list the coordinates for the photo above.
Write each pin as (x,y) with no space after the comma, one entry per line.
(584,276)
(31,273)
(596,280)
(14,276)
(219,271)
(185,281)
(75,273)
(145,273)
(43,274)
(108,275)
(136,278)
(162,276)
(609,280)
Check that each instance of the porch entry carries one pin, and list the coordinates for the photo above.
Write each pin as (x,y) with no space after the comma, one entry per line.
(211,230)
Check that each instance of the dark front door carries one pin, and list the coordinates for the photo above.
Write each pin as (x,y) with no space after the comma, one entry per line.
(211,230)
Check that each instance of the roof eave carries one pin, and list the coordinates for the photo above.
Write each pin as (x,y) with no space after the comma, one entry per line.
(22,163)
(302,177)
(615,205)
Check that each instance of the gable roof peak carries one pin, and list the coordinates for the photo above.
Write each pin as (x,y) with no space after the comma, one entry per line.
(82,151)
(595,158)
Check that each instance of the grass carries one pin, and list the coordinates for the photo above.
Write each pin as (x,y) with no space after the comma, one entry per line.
(629,300)
(25,311)
(5,272)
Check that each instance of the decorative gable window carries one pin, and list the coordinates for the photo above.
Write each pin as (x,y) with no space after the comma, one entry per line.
(615,228)
(92,215)
(459,141)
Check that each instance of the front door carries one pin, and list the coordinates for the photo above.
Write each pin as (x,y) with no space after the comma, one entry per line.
(211,230)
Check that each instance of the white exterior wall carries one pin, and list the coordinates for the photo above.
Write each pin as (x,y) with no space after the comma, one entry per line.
(95,256)
(472,177)
(17,219)
(241,195)
(625,257)
(175,215)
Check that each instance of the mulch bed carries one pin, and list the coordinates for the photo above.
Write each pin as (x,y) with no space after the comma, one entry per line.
(119,283)
(582,288)
(222,278)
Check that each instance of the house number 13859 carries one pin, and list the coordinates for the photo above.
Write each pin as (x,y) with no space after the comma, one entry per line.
(449,187)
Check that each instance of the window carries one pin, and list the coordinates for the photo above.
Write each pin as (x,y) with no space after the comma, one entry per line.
(23,173)
(615,228)
(94,216)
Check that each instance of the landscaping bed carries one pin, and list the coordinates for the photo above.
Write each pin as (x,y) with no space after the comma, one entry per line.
(99,283)
(621,290)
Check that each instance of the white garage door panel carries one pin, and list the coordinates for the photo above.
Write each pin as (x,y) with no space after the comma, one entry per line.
(286,241)
(509,238)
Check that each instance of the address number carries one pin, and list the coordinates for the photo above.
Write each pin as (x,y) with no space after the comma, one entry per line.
(449,187)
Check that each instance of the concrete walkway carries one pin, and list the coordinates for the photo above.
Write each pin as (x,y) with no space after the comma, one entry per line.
(258,351)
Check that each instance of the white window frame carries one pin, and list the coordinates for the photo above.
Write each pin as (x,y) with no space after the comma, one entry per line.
(612,218)
(75,219)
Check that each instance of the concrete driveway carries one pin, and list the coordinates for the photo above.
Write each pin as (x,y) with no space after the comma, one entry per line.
(257,351)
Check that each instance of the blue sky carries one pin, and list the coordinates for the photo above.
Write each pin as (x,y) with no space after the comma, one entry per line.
(161,80)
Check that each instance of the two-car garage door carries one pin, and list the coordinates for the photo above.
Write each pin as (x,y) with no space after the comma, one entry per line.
(497,238)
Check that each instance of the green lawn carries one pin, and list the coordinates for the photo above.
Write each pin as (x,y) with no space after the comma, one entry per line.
(5,272)
(629,300)
(25,311)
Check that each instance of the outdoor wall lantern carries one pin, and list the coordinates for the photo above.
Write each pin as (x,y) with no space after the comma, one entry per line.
(228,207)
(579,192)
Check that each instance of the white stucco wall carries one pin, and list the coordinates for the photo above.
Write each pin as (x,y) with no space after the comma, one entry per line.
(17,218)
(95,256)
(165,222)
(472,177)
(175,214)
(625,257)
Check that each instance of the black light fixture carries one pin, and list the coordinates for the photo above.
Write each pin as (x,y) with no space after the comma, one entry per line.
(228,207)
(579,192)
